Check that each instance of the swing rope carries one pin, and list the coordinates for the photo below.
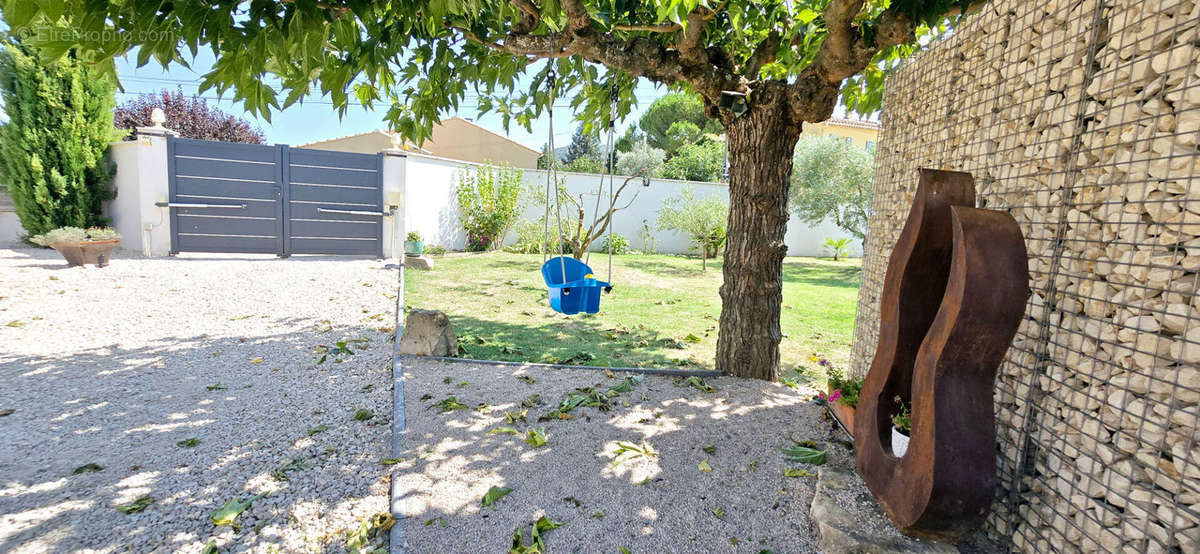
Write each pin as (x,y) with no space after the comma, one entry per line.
(552,176)
(613,96)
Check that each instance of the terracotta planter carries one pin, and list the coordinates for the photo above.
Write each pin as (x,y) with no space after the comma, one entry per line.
(843,413)
(87,252)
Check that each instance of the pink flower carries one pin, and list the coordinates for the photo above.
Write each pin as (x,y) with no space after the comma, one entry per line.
(835,395)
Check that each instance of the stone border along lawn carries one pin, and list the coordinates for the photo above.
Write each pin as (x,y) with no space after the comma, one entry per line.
(716,483)
(111,373)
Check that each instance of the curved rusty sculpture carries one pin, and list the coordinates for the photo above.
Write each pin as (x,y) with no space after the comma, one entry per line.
(953,296)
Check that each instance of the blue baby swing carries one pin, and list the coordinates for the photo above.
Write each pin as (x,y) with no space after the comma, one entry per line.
(573,287)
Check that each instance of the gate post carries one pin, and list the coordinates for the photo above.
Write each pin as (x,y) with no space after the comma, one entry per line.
(153,189)
(393,177)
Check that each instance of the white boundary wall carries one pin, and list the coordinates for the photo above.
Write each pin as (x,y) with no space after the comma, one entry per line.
(421,188)
(431,207)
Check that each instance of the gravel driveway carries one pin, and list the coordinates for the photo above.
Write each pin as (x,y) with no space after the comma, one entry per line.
(714,481)
(193,381)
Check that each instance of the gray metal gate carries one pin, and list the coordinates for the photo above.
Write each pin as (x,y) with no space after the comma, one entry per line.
(253,198)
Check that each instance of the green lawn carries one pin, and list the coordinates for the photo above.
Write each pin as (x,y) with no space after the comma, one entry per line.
(663,310)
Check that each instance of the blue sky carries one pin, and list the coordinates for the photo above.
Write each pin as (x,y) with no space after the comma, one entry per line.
(316,118)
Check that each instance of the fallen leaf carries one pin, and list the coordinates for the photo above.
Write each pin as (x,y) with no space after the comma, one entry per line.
(137,505)
(709,448)
(363,415)
(797,472)
(719,512)
(256,361)
(705,467)
(391,461)
(318,429)
(225,515)
(493,494)
(188,442)
(86,468)
(804,455)
(504,431)
(536,437)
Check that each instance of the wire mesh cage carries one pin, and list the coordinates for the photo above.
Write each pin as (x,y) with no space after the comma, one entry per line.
(1082,119)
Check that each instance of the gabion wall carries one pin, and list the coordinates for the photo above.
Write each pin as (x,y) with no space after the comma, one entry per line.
(1081,118)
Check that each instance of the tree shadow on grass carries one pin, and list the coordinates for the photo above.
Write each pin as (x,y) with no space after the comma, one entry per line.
(125,409)
(582,340)
(681,270)
(822,274)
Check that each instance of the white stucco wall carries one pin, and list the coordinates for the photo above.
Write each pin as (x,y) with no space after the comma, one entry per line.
(431,207)
(140,182)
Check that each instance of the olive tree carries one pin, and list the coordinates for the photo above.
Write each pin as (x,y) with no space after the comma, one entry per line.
(832,180)
(761,68)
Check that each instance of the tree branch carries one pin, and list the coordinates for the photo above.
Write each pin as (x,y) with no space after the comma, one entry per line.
(763,54)
(530,16)
(659,28)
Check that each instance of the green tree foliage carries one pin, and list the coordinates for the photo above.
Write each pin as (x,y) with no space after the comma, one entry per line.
(703,220)
(831,178)
(697,162)
(487,204)
(670,112)
(786,61)
(628,140)
(642,159)
(53,148)
(583,145)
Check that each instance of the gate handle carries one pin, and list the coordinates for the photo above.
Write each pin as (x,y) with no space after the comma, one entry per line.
(186,205)
(351,212)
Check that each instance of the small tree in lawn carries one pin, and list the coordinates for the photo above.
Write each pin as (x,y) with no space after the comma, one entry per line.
(837,246)
(701,219)
(763,68)
(583,221)
(487,204)
(191,117)
(831,179)
(53,149)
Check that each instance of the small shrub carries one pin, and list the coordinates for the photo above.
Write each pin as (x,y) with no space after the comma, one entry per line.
(102,233)
(60,235)
(529,238)
(487,203)
(839,247)
(618,244)
(903,419)
(413,236)
(435,250)
(848,387)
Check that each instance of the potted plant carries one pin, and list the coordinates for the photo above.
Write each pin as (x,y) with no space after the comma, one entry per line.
(901,426)
(842,398)
(79,246)
(413,245)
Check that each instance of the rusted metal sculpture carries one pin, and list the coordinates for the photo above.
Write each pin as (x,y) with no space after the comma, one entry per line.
(953,295)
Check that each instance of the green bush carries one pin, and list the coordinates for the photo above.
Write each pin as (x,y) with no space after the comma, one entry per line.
(697,162)
(487,203)
(413,236)
(618,244)
(703,220)
(53,147)
(849,387)
(435,250)
(529,238)
(74,234)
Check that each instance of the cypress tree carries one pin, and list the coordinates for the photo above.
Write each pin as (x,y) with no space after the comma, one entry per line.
(53,147)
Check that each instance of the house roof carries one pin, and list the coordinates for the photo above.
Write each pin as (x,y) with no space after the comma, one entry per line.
(493,133)
(412,147)
(858,123)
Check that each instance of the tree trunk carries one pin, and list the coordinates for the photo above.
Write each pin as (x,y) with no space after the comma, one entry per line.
(760,147)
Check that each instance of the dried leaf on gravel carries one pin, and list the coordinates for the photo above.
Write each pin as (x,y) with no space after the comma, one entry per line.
(804,455)
(627,450)
(137,505)
(86,468)
(504,431)
(526,379)
(391,461)
(318,429)
(704,466)
(256,361)
(536,544)
(451,403)
(370,529)
(7,412)
(493,494)
(363,415)
(15,323)
(188,442)
(514,416)
(211,547)
(297,464)
(225,515)
(797,472)
(533,400)
(692,338)
(695,382)
(440,521)
(536,437)
(719,512)
(217,386)
(709,449)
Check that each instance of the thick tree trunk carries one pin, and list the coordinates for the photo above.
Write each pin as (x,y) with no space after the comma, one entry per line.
(760,161)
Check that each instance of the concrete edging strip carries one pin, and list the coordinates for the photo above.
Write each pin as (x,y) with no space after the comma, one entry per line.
(646,370)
